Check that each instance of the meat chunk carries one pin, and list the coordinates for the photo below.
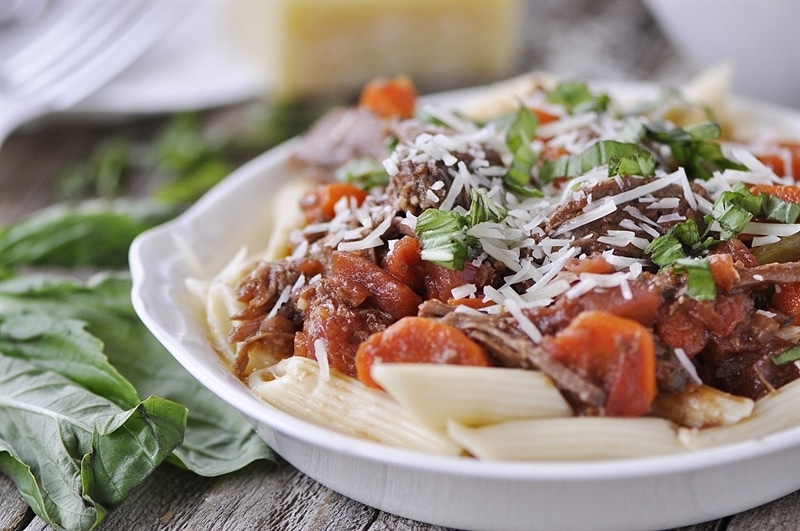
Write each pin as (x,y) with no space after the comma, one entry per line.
(340,136)
(586,236)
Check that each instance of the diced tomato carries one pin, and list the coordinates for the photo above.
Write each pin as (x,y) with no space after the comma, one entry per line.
(417,340)
(614,352)
(391,295)
(777,161)
(591,264)
(404,262)
(723,271)
(440,281)
(544,116)
(318,204)
(787,299)
(390,97)
(790,194)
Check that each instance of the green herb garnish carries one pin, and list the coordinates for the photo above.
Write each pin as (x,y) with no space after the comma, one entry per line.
(576,98)
(787,356)
(443,233)
(520,133)
(630,158)
(695,148)
(365,172)
(700,284)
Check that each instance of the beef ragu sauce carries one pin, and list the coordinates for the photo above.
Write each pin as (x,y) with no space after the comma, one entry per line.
(629,258)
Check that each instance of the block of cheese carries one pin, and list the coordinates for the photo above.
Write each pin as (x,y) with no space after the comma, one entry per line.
(313,48)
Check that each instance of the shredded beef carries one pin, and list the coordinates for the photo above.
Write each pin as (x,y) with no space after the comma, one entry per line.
(586,236)
(338,137)
(340,313)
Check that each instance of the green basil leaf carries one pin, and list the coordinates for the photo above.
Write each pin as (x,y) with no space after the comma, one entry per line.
(695,148)
(63,346)
(776,209)
(365,172)
(597,154)
(443,237)
(484,209)
(73,454)
(518,139)
(733,211)
(576,98)
(218,439)
(787,356)
(700,283)
(665,249)
(91,233)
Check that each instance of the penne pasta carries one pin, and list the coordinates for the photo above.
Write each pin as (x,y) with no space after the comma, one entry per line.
(468,395)
(702,407)
(570,438)
(772,413)
(343,404)
(286,217)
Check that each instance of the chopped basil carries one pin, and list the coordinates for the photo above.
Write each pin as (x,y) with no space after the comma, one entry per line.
(576,98)
(694,147)
(776,209)
(518,139)
(443,233)
(682,240)
(665,249)
(787,356)
(700,284)
(733,210)
(638,161)
(484,209)
(443,236)
(366,172)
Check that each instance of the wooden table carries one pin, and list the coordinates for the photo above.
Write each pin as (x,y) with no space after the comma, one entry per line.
(625,43)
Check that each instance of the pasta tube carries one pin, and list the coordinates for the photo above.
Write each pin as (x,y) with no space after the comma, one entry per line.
(298,387)
(470,395)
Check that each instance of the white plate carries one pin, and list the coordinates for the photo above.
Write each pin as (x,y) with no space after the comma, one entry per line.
(636,494)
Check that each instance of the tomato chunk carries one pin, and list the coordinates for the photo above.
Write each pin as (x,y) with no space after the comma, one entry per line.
(417,340)
(319,203)
(391,295)
(614,352)
(787,299)
(790,194)
(784,159)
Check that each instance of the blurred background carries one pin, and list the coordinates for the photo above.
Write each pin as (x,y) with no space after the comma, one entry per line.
(215,82)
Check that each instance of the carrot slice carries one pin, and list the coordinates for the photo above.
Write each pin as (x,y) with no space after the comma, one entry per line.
(787,299)
(417,340)
(390,97)
(320,202)
(614,352)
